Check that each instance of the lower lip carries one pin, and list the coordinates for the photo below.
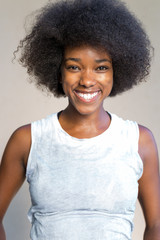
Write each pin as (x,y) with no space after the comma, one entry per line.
(87,100)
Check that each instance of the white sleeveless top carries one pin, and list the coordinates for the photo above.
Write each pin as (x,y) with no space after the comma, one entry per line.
(83,189)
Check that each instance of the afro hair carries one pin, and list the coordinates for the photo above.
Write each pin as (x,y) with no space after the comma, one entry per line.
(107,24)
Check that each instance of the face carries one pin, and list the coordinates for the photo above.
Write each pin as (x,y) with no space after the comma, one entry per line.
(87,78)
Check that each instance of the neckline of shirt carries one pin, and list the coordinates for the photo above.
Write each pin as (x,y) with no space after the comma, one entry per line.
(107,132)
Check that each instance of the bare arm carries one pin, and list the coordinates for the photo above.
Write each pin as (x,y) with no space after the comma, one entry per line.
(12,169)
(149,185)
(2,233)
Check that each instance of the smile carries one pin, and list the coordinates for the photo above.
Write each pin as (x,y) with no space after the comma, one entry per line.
(87,97)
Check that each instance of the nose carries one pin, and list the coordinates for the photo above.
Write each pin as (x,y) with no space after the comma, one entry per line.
(87,79)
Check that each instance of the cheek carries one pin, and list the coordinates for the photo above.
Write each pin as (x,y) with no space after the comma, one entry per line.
(107,81)
(70,80)
(68,84)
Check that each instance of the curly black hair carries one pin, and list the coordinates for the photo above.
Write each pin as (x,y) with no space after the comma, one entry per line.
(107,24)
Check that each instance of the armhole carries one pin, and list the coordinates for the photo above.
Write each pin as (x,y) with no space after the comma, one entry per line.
(139,159)
(137,136)
(29,168)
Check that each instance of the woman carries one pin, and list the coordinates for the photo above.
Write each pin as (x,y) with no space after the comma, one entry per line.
(85,166)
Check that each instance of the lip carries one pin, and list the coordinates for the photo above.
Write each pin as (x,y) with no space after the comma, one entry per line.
(87,91)
(95,94)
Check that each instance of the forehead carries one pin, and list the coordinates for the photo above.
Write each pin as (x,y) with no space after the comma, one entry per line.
(86,51)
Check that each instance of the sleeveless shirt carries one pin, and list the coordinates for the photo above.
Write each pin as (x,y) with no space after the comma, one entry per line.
(83,189)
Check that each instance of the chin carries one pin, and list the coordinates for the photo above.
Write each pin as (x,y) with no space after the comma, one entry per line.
(87,110)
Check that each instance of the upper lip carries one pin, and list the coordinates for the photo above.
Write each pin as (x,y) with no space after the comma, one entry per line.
(87,91)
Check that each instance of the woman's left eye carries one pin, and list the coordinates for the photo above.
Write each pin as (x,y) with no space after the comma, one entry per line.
(102,68)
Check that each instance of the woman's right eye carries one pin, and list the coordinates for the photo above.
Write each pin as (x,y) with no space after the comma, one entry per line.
(72,67)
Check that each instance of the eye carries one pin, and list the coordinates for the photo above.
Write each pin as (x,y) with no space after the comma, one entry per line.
(72,67)
(102,68)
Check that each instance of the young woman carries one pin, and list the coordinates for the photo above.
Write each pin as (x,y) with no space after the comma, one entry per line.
(85,166)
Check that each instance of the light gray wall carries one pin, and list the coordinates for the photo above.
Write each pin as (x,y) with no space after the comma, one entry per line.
(21,102)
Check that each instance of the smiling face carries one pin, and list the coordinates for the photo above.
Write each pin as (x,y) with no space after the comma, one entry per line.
(87,78)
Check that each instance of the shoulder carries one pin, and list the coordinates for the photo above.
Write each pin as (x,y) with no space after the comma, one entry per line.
(21,131)
(147,144)
(145,133)
(21,135)
(19,143)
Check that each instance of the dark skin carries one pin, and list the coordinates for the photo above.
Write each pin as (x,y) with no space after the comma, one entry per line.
(87,79)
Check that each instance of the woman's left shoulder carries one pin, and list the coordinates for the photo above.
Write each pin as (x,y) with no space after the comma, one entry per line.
(147,144)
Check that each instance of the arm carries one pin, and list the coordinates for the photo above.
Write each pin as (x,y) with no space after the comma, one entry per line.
(12,169)
(2,233)
(149,185)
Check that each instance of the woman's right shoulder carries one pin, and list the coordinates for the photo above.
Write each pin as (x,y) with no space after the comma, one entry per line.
(22,131)
(20,143)
(22,135)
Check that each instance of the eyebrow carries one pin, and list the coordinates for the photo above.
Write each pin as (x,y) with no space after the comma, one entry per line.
(72,59)
(103,60)
(78,60)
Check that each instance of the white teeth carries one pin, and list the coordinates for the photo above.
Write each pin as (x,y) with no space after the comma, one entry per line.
(87,96)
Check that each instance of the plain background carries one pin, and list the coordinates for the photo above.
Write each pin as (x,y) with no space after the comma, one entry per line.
(22,103)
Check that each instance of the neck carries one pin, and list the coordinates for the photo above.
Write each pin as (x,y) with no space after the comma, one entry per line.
(84,125)
(75,117)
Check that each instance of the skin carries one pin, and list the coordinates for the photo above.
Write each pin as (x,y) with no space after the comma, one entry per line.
(85,70)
